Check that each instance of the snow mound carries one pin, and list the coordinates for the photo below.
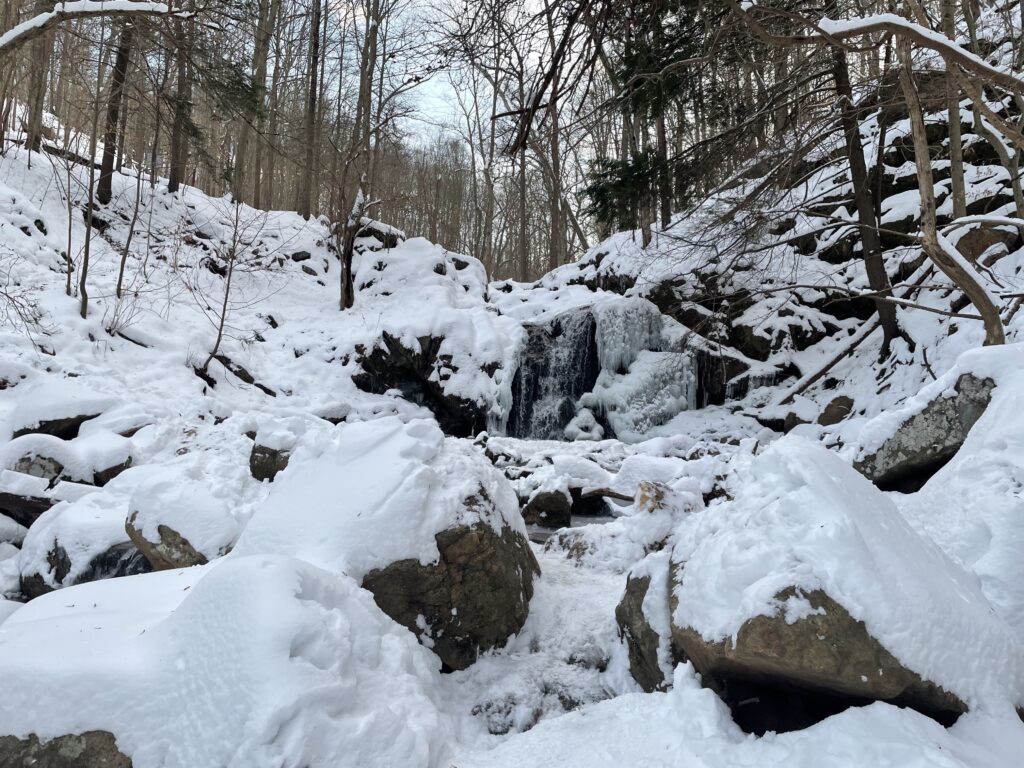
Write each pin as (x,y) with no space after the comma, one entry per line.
(368,494)
(689,725)
(246,663)
(801,517)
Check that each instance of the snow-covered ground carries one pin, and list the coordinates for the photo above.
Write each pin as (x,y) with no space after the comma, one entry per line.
(269,653)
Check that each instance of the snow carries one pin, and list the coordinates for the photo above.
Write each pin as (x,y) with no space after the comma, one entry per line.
(372,493)
(689,725)
(252,661)
(80,8)
(262,658)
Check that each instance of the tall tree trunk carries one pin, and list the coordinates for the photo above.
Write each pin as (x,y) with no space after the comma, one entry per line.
(261,52)
(182,111)
(117,79)
(305,201)
(942,254)
(40,54)
(956,150)
(871,247)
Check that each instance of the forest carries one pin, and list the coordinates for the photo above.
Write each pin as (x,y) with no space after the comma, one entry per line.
(465,383)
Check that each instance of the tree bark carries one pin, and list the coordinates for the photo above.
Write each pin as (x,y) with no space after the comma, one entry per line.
(944,258)
(871,246)
(117,80)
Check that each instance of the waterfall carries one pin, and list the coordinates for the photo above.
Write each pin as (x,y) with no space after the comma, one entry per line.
(559,363)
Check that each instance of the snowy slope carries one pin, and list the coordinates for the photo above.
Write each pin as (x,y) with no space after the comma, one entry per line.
(273,655)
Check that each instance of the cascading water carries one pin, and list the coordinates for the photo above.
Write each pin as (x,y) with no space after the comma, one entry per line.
(559,363)
(616,358)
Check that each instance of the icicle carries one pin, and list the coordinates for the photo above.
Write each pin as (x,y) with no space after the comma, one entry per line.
(626,327)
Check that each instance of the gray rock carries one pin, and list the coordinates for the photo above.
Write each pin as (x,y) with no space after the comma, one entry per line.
(171,551)
(925,441)
(92,749)
(472,599)
(265,463)
(42,466)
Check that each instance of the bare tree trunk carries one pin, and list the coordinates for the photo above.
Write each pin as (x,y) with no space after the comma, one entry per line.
(41,52)
(261,52)
(305,201)
(871,247)
(945,258)
(956,149)
(182,111)
(124,52)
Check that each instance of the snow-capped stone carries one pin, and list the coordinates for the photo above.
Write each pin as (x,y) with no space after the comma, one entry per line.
(810,576)
(176,522)
(642,616)
(78,542)
(265,463)
(549,508)
(258,662)
(424,522)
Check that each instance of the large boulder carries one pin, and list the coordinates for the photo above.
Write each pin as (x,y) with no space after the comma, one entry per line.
(435,340)
(92,749)
(78,542)
(177,523)
(254,661)
(807,591)
(424,523)
(928,438)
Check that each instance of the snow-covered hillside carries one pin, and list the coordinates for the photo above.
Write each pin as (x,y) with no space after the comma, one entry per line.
(485,524)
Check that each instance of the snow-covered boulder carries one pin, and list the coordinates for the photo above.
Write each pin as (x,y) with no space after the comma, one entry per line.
(94,459)
(423,522)
(810,579)
(52,406)
(928,436)
(76,542)
(253,662)
(176,522)
(434,340)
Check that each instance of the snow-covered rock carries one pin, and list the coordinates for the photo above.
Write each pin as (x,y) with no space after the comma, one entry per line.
(423,522)
(810,576)
(176,522)
(78,541)
(245,663)
(928,437)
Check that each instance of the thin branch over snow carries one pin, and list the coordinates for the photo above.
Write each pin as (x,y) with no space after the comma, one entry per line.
(37,25)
